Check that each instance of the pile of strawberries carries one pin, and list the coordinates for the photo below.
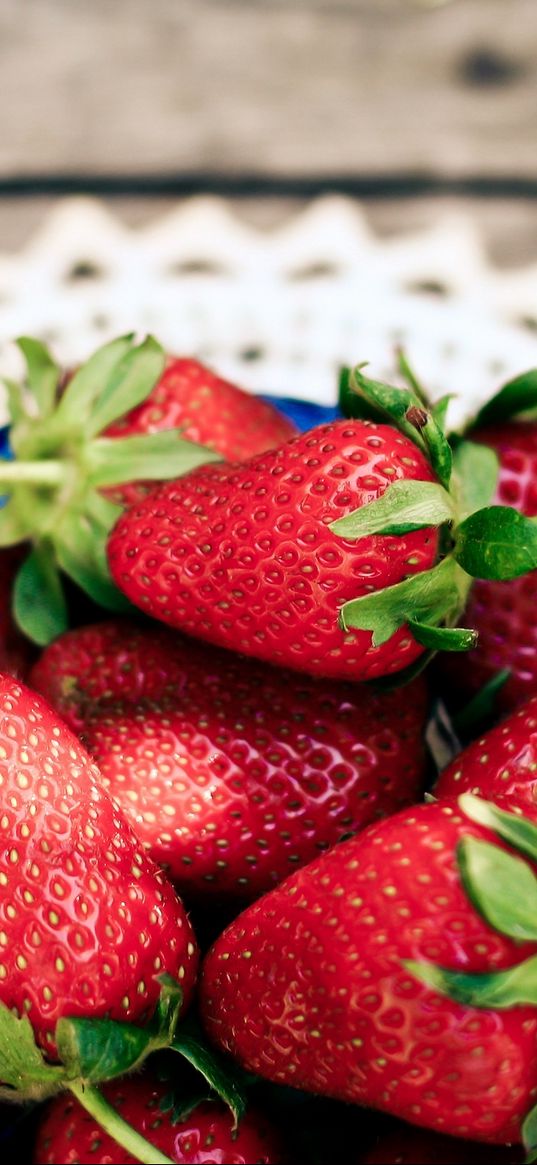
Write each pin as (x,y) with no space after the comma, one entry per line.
(222,642)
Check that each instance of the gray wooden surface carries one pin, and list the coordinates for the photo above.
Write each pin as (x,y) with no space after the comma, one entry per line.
(277,86)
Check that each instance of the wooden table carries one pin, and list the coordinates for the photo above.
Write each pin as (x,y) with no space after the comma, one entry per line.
(405,102)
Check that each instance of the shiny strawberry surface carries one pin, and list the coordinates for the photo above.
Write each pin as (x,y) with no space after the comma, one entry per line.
(242,555)
(87,922)
(326,1003)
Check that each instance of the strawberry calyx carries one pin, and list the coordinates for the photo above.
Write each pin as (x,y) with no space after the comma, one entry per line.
(477,539)
(516,400)
(503,889)
(92,1051)
(62,463)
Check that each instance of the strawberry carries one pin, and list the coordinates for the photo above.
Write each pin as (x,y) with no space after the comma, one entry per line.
(320,555)
(503,613)
(407,1146)
(380,973)
(88,923)
(207,410)
(202,1133)
(503,762)
(243,556)
(292,763)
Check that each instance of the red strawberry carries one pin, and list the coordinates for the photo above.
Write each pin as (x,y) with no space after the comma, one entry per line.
(407,1146)
(245,772)
(243,556)
(327,1004)
(209,411)
(205,1134)
(503,762)
(88,923)
(504,612)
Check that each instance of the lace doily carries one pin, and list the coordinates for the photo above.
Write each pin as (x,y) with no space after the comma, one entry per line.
(277,311)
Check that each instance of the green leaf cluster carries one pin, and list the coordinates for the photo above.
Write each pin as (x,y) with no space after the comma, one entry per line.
(62,464)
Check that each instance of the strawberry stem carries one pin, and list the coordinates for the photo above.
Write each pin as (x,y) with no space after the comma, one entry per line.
(33,472)
(94,1102)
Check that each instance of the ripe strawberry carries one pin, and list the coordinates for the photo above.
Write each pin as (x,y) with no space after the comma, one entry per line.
(503,762)
(291,763)
(503,613)
(243,556)
(407,1146)
(87,922)
(207,410)
(204,1134)
(327,1003)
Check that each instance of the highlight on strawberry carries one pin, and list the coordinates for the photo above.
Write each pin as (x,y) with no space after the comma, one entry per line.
(397,972)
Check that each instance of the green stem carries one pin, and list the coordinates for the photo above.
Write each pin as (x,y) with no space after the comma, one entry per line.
(113,1124)
(32,472)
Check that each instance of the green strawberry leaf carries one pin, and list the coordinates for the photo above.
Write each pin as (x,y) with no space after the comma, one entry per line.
(482,707)
(179,1108)
(352,404)
(496,543)
(90,380)
(153,456)
(16,403)
(518,396)
(101,1049)
(43,373)
(129,384)
(222,1076)
(517,831)
(440,408)
(405,409)
(405,505)
(409,375)
(443,638)
(489,876)
(23,1067)
(81,553)
(476,468)
(495,990)
(94,1050)
(529,1135)
(39,605)
(427,597)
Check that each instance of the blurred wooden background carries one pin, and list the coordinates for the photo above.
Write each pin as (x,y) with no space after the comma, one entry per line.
(394,99)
